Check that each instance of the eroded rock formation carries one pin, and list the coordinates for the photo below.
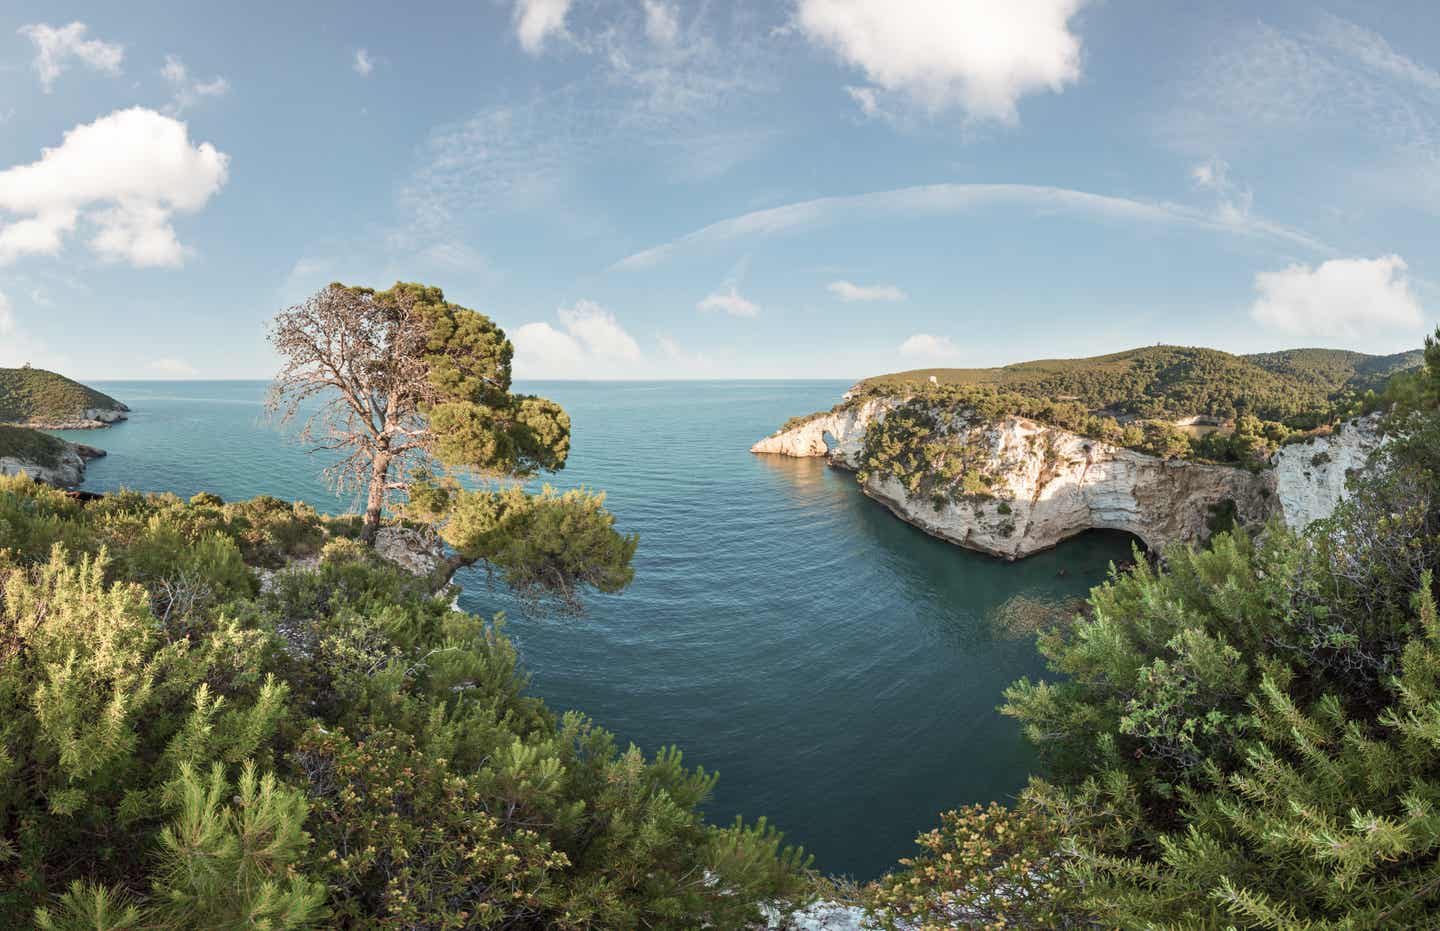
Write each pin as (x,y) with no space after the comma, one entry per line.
(1050,484)
(66,471)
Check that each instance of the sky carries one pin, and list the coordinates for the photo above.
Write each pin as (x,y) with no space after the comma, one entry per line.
(670,189)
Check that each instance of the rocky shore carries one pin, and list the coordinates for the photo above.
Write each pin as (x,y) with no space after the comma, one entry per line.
(93,418)
(66,471)
(1051,484)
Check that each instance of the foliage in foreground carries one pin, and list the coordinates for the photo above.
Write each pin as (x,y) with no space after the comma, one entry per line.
(1246,737)
(181,749)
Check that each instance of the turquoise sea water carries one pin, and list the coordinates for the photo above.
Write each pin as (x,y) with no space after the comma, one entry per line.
(839,668)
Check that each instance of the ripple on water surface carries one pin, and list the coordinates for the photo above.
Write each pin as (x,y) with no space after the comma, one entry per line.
(839,668)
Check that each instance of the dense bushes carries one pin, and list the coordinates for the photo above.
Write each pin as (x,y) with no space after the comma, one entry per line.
(1247,735)
(343,749)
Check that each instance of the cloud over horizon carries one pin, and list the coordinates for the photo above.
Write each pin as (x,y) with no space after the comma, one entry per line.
(1341,298)
(589,342)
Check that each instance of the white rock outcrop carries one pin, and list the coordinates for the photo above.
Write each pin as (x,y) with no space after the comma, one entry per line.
(1310,477)
(1051,484)
(846,428)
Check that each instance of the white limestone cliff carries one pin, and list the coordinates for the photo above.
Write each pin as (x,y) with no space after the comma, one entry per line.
(1051,484)
(1310,477)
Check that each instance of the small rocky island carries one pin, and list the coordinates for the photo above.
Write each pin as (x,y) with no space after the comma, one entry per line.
(32,400)
(1167,443)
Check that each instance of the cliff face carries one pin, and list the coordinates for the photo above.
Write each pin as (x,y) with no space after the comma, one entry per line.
(1310,477)
(1051,484)
(66,470)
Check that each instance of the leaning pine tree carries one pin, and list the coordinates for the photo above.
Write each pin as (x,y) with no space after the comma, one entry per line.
(412,389)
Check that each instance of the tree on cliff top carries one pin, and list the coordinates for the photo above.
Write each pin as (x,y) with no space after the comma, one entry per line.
(407,386)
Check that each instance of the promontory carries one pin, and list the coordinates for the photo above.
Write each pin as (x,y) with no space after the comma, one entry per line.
(1168,443)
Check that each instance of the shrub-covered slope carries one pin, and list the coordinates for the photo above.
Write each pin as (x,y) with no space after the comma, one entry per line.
(29,395)
(30,446)
(1157,381)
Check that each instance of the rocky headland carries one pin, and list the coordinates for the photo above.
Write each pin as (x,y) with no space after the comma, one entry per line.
(44,458)
(1047,484)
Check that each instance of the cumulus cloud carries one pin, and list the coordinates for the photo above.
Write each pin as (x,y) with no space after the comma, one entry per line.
(189,92)
(730,302)
(1342,298)
(928,348)
(363,63)
(849,292)
(588,341)
(537,20)
(125,175)
(172,368)
(57,46)
(978,55)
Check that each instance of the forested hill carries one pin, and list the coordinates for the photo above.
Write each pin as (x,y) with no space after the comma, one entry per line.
(1156,381)
(38,396)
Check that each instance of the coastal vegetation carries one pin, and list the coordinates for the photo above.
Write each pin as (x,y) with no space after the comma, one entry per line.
(240,714)
(1165,382)
(1243,735)
(37,396)
(30,446)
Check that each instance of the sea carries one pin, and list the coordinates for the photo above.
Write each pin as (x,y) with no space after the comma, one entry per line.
(840,669)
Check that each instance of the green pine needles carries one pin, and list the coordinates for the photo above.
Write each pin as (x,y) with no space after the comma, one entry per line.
(181,749)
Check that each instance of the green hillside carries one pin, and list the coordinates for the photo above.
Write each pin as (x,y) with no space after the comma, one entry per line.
(30,395)
(1164,381)
(30,445)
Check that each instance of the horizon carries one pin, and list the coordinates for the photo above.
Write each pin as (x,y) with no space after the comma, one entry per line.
(665,190)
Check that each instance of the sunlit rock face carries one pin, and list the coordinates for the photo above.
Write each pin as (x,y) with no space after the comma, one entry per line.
(1310,477)
(67,471)
(1051,484)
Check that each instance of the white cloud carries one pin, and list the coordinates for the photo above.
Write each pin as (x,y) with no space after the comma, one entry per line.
(943,199)
(729,302)
(926,347)
(661,23)
(57,46)
(979,55)
(537,20)
(126,175)
(1342,298)
(589,342)
(187,92)
(599,332)
(172,368)
(363,63)
(849,292)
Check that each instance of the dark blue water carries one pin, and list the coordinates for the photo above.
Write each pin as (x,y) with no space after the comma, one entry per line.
(839,668)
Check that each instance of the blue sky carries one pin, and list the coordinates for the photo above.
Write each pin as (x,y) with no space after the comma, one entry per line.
(656,188)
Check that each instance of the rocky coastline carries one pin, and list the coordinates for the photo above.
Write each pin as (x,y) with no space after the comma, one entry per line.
(92,418)
(1052,484)
(67,470)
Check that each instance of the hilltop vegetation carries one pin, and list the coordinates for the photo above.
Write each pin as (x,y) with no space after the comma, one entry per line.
(30,395)
(1297,387)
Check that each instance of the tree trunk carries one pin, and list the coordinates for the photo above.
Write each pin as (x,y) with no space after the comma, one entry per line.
(375,502)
